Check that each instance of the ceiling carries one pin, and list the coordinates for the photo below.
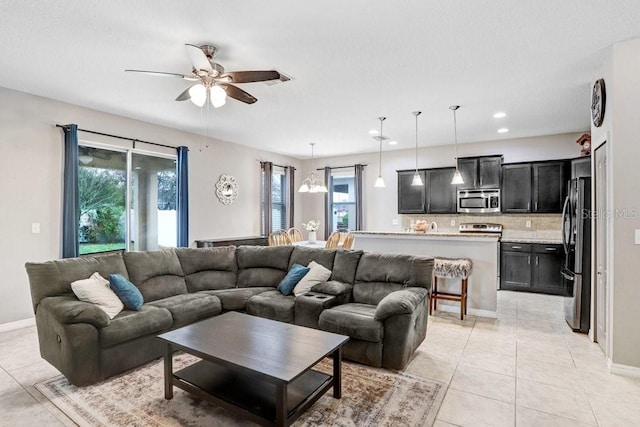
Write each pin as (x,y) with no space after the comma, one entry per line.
(351,61)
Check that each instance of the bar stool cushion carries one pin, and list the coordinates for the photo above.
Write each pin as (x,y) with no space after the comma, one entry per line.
(452,268)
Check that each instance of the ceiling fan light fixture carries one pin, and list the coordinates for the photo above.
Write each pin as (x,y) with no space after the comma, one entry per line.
(218,96)
(198,94)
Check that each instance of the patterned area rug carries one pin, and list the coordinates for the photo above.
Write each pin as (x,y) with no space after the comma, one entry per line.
(370,397)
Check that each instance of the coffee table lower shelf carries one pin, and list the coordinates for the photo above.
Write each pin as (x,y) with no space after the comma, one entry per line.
(252,397)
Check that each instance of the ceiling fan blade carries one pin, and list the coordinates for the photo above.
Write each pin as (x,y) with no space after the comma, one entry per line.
(237,93)
(198,58)
(249,76)
(162,74)
(185,96)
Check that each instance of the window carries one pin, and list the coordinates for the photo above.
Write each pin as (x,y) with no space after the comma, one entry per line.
(277,198)
(342,194)
(127,200)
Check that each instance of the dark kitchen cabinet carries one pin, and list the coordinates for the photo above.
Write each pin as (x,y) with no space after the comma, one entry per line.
(549,187)
(480,172)
(411,199)
(531,267)
(516,188)
(440,194)
(581,168)
(538,187)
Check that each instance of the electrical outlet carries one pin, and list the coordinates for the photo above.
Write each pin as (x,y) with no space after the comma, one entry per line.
(528,223)
(35,227)
(453,222)
(395,221)
(637,237)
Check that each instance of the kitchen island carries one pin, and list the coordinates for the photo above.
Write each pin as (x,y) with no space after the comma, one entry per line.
(481,248)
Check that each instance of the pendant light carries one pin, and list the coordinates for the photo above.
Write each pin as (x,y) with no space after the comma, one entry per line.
(457,176)
(311,184)
(380,181)
(416,181)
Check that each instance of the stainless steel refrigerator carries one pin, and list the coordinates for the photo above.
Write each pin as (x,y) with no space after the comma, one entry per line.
(576,239)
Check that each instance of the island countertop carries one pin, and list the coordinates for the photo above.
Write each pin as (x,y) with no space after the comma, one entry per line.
(429,235)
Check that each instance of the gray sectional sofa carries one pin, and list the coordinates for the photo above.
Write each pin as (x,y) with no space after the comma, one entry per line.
(380,301)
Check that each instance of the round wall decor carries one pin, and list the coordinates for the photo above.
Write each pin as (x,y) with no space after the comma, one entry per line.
(598,102)
(227,189)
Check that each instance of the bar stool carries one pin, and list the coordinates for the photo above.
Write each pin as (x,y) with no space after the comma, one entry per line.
(450,268)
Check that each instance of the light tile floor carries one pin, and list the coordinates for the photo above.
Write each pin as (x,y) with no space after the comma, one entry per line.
(525,368)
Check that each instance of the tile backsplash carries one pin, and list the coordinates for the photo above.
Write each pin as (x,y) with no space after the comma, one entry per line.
(543,226)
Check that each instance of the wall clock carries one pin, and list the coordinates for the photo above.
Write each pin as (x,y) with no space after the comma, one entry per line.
(227,189)
(598,101)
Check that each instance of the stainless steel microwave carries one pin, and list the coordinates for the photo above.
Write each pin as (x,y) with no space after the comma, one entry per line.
(479,201)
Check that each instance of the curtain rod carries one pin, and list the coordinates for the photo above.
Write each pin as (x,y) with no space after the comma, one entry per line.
(343,167)
(278,166)
(134,140)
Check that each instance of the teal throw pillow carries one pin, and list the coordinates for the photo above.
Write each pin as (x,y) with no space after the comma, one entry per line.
(292,278)
(126,291)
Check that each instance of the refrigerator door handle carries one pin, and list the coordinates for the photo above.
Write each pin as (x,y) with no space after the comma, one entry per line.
(568,276)
(565,244)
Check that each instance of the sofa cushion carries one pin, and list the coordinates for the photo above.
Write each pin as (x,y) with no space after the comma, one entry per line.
(188,308)
(373,292)
(292,278)
(129,325)
(264,256)
(272,305)
(260,277)
(304,256)
(317,274)
(345,265)
(157,274)
(208,268)
(355,320)
(96,290)
(236,298)
(126,291)
(54,277)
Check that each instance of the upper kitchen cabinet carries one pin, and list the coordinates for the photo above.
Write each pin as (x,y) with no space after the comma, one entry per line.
(437,195)
(549,186)
(581,168)
(411,199)
(441,195)
(516,188)
(538,187)
(480,172)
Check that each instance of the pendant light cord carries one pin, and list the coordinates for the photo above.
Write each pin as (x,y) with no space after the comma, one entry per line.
(382,119)
(417,113)
(455,135)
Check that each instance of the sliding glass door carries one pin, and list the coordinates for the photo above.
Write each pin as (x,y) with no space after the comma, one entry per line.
(127,200)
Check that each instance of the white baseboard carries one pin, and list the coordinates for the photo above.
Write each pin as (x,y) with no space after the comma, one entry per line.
(626,370)
(474,311)
(17,324)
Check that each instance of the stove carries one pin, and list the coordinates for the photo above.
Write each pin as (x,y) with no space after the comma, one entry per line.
(474,227)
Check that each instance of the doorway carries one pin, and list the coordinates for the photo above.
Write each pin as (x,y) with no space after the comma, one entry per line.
(601,223)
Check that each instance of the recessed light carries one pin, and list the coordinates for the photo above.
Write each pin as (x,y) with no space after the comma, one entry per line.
(503,130)
(373,132)
(393,142)
(499,115)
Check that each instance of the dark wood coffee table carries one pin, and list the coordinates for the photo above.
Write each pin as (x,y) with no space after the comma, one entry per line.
(255,367)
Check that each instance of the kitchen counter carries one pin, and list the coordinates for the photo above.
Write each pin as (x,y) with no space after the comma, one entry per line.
(481,248)
(531,240)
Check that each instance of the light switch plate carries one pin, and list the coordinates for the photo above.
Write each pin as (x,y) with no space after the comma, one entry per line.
(35,227)
(528,223)
(453,222)
(637,237)
(395,221)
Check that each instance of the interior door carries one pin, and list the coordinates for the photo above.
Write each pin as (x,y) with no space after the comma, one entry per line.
(601,301)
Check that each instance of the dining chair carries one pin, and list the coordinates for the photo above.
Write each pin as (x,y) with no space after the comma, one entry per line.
(295,235)
(333,240)
(279,238)
(347,243)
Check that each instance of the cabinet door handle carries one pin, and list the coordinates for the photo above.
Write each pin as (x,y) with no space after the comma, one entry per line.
(529,260)
(536,206)
(537,261)
(528,205)
(480,181)
(549,249)
(516,247)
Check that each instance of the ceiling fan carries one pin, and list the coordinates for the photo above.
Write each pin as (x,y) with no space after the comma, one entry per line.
(213,82)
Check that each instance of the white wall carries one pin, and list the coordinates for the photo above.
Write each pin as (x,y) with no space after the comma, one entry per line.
(380,204)
(31,183)
(620,129)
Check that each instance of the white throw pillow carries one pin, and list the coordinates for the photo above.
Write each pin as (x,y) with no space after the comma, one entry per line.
(96,290)
(317,274)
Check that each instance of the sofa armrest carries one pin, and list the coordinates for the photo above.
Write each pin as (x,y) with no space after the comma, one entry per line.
(405,301)
(68,310)
(332,287)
